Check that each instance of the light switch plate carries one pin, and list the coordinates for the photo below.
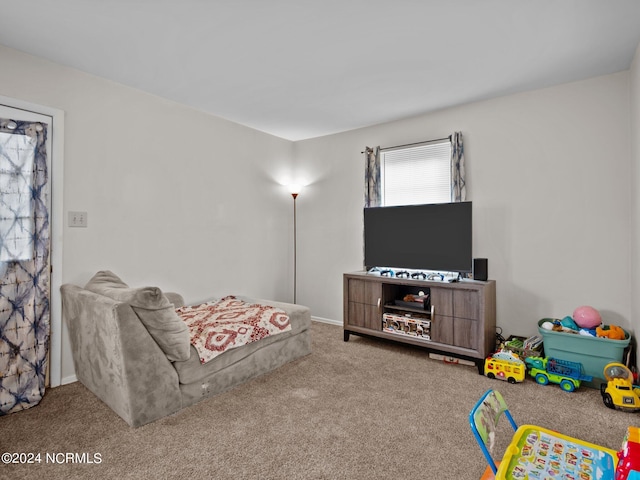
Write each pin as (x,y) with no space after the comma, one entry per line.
(77,219)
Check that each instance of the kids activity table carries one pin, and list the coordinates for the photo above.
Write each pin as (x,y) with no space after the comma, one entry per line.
(536,453)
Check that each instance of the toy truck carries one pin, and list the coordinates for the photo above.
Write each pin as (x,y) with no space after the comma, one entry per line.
(619,392)
(553,370)
(505,365)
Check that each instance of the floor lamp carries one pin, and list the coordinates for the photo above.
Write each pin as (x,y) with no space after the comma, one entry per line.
(295,190)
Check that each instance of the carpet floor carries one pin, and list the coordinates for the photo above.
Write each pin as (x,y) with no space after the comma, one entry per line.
(363,409)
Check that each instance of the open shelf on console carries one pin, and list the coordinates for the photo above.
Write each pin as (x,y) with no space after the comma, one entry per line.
(402,308)
(414,325)
(409,298)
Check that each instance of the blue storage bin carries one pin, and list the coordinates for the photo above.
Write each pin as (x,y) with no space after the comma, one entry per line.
(592,352)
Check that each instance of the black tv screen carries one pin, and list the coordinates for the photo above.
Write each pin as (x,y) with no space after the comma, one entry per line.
(420,237)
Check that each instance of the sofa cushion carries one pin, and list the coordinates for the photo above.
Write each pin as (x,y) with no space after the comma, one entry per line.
(193,370)
(153,309)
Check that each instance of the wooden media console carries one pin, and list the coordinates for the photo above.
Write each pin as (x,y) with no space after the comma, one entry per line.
(460,317)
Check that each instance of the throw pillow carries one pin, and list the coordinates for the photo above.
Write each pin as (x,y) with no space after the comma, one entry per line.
(153,308)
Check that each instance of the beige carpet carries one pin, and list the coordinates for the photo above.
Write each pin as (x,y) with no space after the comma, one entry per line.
(362,409)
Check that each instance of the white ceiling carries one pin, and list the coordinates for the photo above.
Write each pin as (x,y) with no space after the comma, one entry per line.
(304,68)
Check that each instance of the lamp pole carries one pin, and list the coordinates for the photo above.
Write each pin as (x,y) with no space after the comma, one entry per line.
(295,254)
(295,190)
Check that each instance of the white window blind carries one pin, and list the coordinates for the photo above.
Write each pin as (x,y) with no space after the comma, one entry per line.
(16,205)
(417,174)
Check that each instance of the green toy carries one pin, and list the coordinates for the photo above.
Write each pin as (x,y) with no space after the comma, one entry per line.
(552,370)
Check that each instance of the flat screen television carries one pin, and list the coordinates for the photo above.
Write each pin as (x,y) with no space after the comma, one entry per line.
(419,237)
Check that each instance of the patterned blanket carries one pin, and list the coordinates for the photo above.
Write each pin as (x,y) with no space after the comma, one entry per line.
(216,327)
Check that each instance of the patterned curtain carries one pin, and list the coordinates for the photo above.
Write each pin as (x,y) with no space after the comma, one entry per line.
(24,264)
(458,184)
(372,192)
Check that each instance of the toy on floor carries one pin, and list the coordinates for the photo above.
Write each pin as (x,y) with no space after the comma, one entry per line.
(629,456)
(619,391)
(553,370)
(505,365)
(536,452)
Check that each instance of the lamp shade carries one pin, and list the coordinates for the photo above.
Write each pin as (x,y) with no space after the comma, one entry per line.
(294,188)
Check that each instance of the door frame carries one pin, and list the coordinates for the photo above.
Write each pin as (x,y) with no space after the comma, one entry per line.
(57,226)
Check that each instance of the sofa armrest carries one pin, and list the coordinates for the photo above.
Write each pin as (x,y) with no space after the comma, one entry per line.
(117,359)
(175,298)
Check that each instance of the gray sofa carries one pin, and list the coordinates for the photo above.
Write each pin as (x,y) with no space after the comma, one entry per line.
(129,350)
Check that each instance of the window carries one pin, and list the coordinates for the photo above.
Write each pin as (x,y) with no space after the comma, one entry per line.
(16,223)
(416,174)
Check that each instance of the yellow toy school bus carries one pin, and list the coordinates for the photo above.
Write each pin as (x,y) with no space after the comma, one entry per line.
(505,365)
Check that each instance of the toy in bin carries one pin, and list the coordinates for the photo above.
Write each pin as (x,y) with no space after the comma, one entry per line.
(547,370)
(505,365)
(619,391)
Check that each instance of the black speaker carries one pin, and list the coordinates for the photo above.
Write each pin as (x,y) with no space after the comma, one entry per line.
(480,269)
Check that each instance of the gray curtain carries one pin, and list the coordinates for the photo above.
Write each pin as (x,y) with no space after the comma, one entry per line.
(372,177)
(24,264)
(458,184)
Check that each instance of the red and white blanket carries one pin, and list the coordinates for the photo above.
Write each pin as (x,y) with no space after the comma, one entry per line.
(216,327)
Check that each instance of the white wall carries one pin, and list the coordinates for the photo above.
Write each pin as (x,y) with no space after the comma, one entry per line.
(175,198)
(635,182)
(548,173)
(191,202)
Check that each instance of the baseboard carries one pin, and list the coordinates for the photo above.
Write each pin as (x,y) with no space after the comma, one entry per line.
(70,379)
(326,320)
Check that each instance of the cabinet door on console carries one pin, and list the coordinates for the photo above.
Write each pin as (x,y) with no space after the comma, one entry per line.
(466,304)
(442,321)
(466,309)
(364,299)
(456,314)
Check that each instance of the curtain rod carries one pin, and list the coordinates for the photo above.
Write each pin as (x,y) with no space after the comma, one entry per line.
(414,144)
(417,143)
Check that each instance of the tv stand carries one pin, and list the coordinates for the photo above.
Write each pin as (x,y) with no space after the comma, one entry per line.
(459,319)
